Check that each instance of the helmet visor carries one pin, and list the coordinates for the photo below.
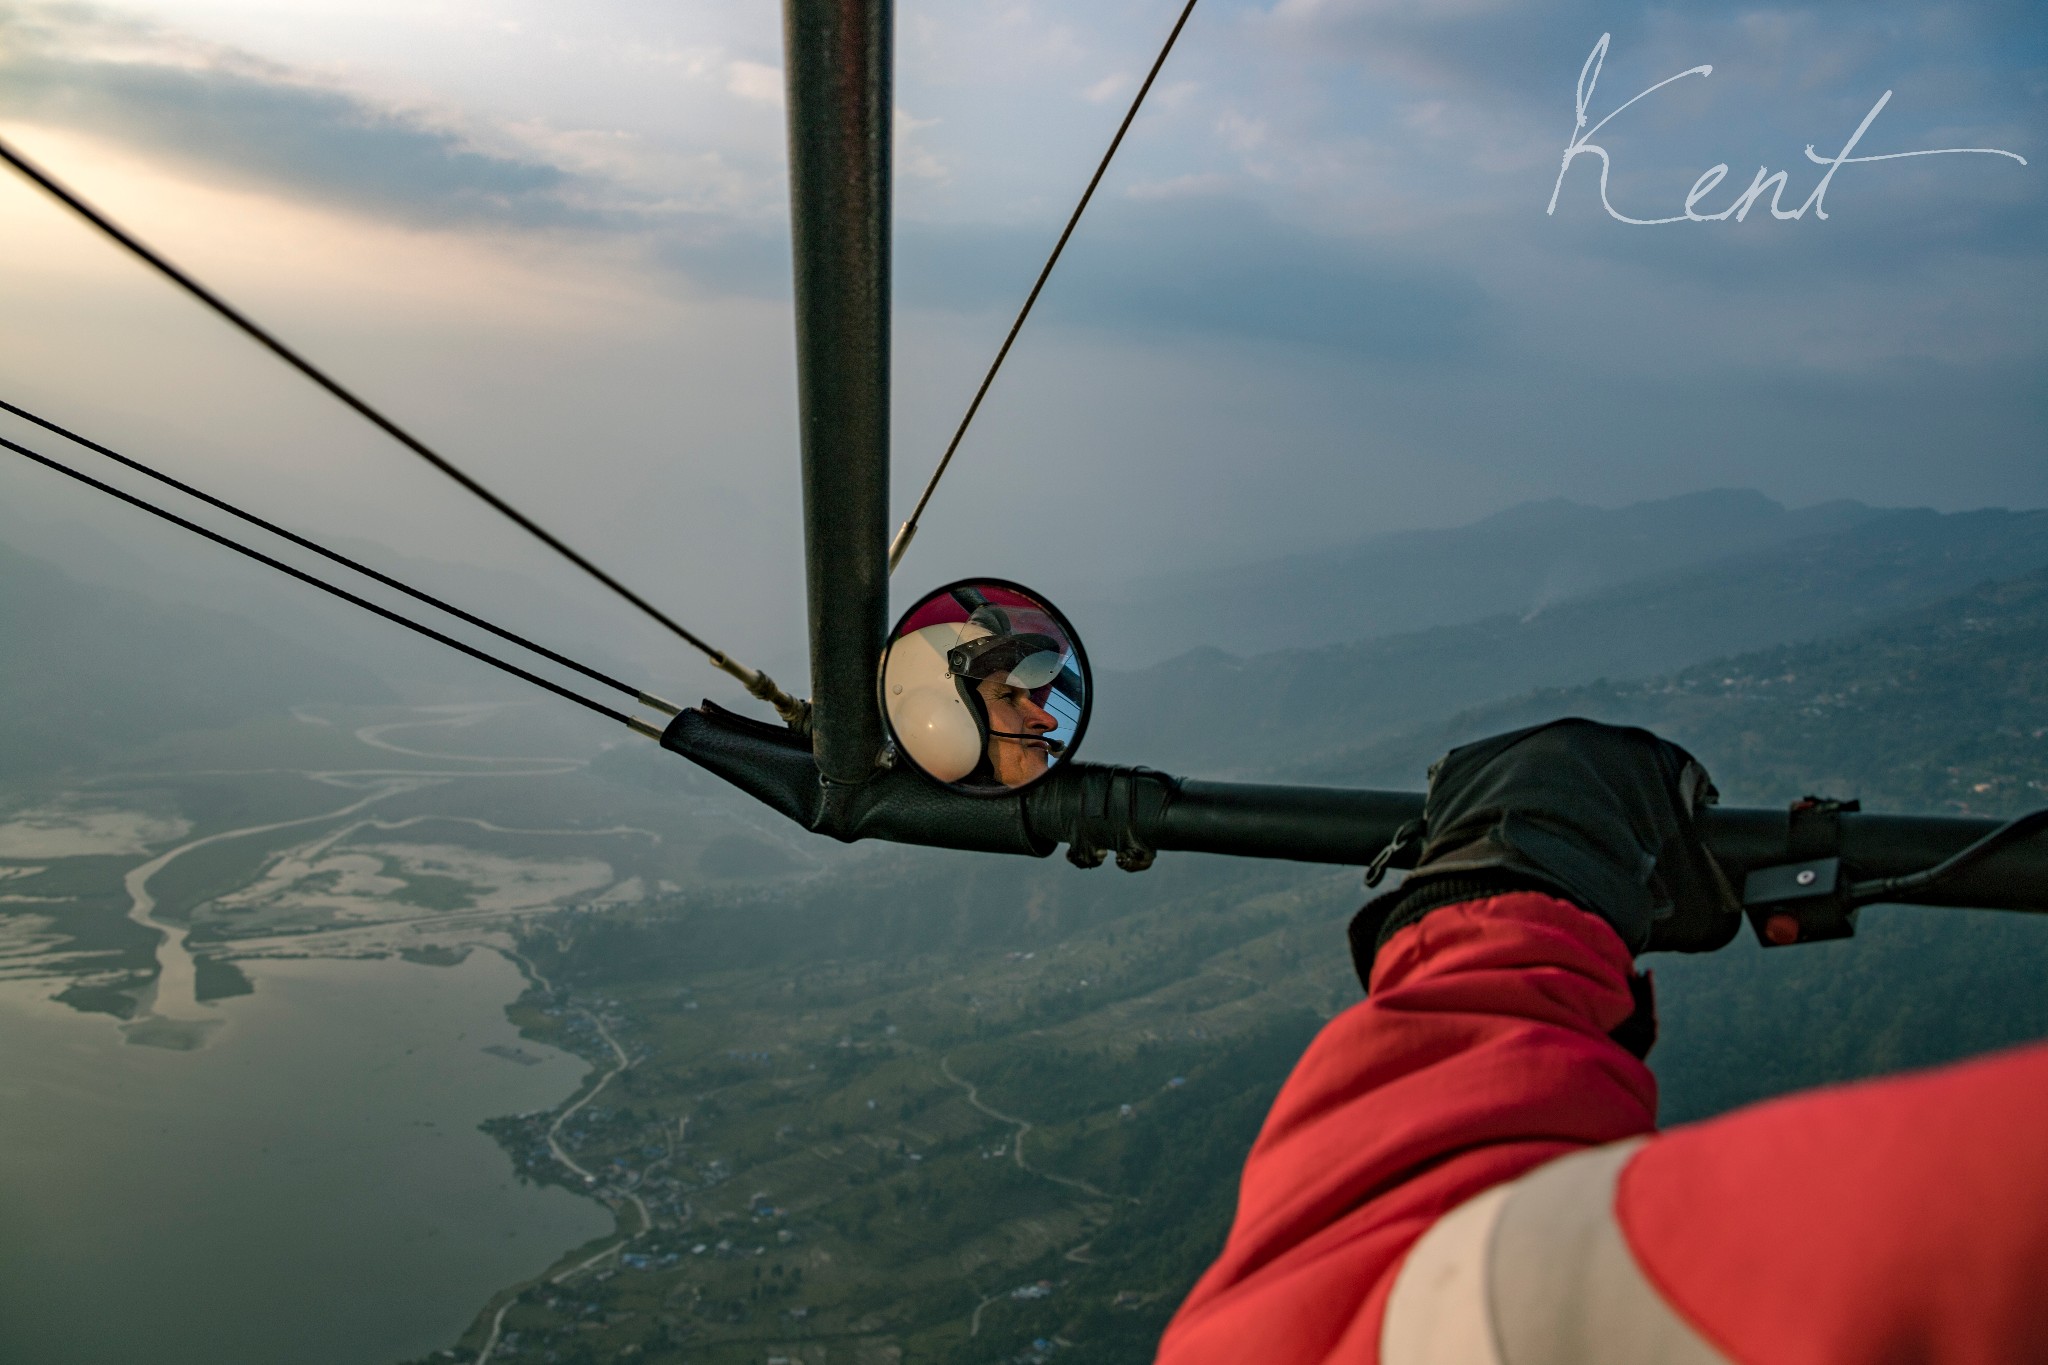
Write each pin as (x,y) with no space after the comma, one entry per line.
(1034,671)
(1026,661)
(1024,647)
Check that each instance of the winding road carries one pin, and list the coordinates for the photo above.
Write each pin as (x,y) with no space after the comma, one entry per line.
(1022,1126)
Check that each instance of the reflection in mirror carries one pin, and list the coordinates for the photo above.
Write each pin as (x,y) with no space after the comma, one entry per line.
(984,687)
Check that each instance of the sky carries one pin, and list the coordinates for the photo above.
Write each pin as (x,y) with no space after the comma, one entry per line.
(1322,293)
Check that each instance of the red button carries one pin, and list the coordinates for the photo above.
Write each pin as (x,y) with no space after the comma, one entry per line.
(1781,929)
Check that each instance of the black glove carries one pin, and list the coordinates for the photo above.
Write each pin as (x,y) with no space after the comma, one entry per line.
(1599,815)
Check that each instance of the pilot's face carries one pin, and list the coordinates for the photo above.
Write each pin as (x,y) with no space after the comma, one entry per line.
(1015,761)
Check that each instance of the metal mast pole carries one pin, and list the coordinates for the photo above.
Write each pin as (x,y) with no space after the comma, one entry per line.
(840,108)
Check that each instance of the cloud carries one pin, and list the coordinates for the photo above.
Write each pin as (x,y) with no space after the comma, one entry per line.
(1195,184)
(1396,219)
(913,157)
(1108,88)
(1195,265)
(1516,52)
(1225,268)
(1170,265)
(755,81)
(247,120)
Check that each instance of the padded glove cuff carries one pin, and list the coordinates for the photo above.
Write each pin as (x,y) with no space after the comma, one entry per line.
(1598,815)
(1392,911)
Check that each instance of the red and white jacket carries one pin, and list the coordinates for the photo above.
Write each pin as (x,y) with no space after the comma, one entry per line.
(1464,1170)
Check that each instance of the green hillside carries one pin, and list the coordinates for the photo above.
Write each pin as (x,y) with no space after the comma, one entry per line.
(1942,709)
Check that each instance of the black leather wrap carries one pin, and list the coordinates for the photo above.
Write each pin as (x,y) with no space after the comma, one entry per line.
(774,766)
(1133,812)
(1096,810)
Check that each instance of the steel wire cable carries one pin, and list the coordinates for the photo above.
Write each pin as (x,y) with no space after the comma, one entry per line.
(908,530)
(755,682)
(336,556)
(633,722)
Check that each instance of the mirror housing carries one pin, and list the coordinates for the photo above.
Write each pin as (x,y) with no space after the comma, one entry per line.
(984,687)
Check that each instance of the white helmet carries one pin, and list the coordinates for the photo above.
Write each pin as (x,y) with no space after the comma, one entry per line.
(930,676)
(939,731)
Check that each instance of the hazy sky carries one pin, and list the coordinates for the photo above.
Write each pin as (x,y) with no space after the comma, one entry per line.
(1319,295)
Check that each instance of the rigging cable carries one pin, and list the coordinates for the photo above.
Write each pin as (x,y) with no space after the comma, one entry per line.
(644,698)
(908,531)
(756,682)
(633,722)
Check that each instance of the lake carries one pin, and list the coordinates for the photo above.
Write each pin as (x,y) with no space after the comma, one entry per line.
(309,1186)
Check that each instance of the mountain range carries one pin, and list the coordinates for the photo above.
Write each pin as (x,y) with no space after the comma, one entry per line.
(88,665)
(1214,714)
(1519,562)
(86,670)
(1941,709)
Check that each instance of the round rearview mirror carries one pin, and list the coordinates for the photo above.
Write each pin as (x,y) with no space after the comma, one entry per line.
(984,687)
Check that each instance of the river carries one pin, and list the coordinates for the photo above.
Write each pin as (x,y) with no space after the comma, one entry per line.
(308,1186)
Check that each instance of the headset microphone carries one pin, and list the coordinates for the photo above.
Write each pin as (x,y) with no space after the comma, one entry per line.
(1054,747)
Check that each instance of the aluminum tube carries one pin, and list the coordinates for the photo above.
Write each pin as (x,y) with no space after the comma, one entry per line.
(1308,824)
(1874,845)
(1333,825)
(1340,825)
(1136,812)
(839,77)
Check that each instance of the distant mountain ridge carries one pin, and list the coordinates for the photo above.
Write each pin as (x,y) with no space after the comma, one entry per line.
(1523,560)
(1211,713)
(85,670)
(1940,709)
(174,568)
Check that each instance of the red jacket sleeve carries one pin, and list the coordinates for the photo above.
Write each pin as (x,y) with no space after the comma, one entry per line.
(1904,1219)
(1481,1053)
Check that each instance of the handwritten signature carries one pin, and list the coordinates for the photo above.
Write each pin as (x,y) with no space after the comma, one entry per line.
(1766,181)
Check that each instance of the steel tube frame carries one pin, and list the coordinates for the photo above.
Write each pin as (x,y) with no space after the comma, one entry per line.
(1307,824)
(1349,826)
(1883,845)
(840,104)
(1135,813)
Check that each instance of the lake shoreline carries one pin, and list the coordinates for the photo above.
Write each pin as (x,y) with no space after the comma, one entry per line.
(317,1183)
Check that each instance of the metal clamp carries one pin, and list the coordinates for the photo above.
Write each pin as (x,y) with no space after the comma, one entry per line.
(1807,901)
(1113,806)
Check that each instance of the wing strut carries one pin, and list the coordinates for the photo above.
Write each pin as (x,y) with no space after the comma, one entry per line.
(841,105)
